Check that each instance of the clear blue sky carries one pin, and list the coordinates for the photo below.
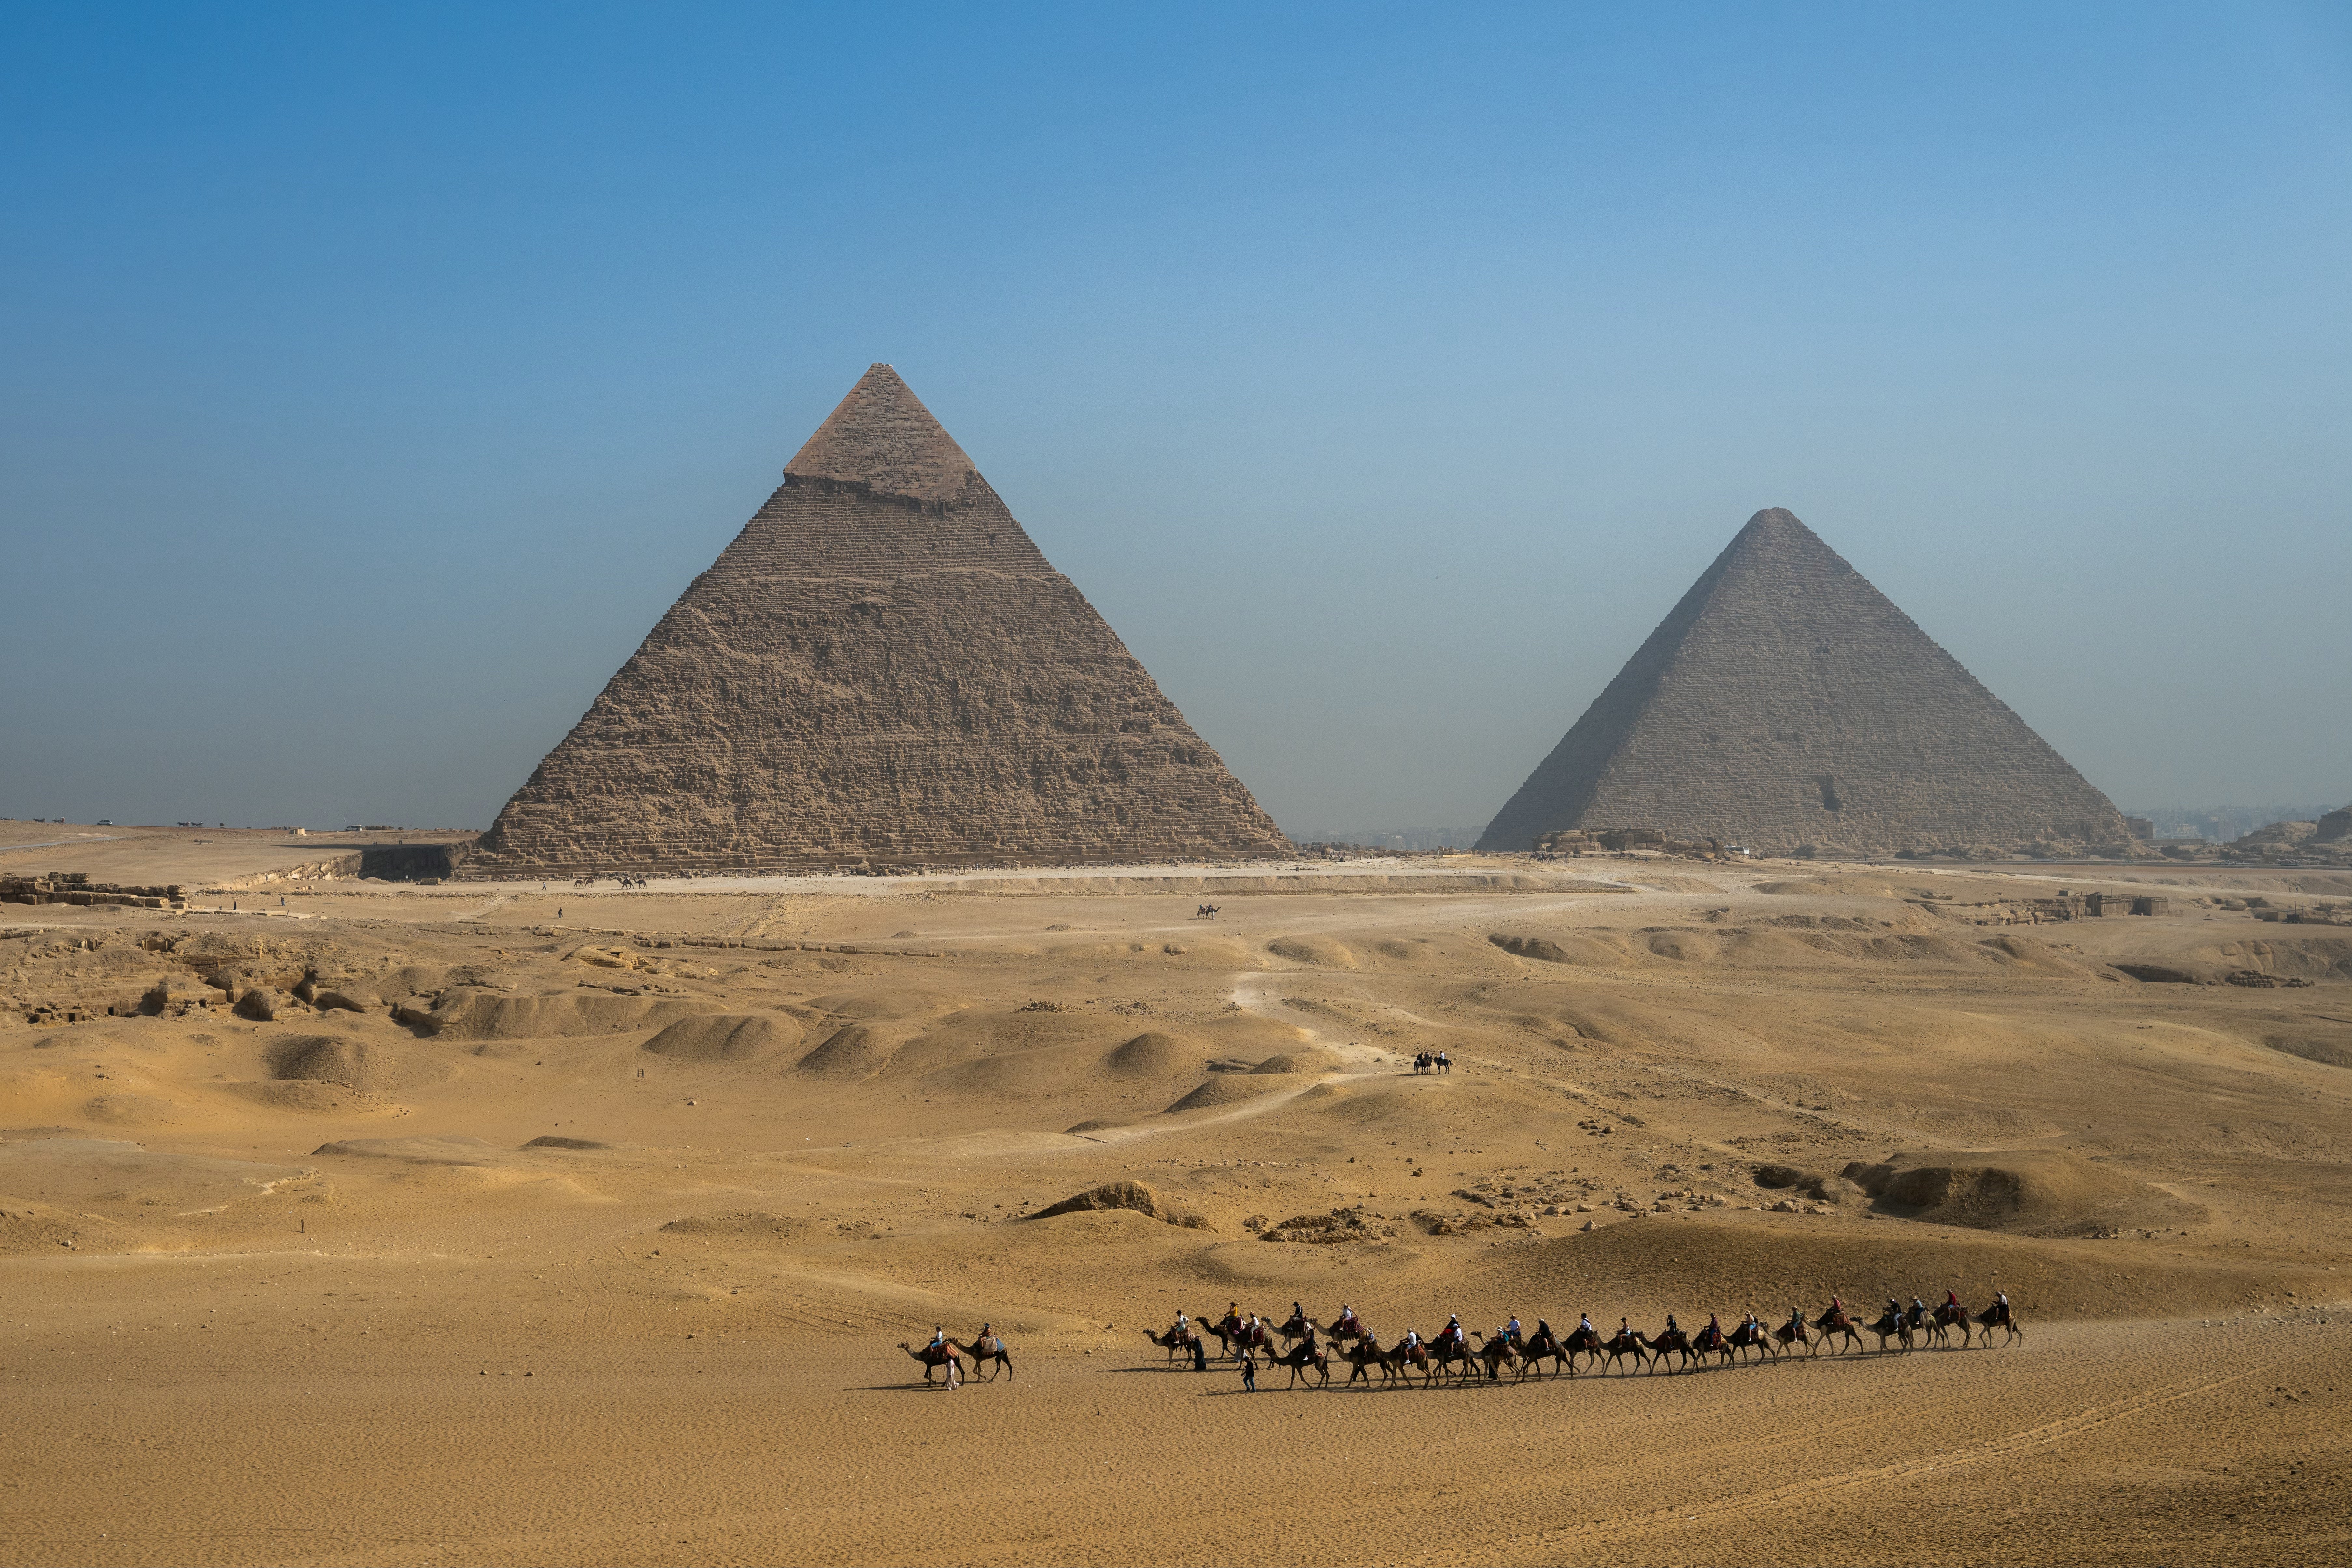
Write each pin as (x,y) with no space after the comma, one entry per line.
(372,378)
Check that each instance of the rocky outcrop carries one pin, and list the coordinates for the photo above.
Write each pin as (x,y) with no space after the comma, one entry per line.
(1786,704)
(882,670)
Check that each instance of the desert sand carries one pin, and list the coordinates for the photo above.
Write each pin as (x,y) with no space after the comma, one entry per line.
(584,1223)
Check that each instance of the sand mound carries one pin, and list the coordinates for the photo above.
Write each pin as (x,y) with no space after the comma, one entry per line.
(1233,1088)
(1313,1059)
(449,1149)
(740,1225)
(725,1037)
(326,1058)
(1535,947)
(558,1140)
(1133,1196)
(2333,1048)
(2036,1192)
(1150,1055)
(854,1051)
(468,1014)
(1319,951)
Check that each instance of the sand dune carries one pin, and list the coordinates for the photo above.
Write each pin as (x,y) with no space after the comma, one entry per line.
(525,1240)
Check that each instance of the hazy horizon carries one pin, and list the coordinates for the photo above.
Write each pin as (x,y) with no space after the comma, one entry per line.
(374,380)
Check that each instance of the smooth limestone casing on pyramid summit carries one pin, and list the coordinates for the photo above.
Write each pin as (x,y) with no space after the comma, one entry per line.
(1786,702)
(881,669)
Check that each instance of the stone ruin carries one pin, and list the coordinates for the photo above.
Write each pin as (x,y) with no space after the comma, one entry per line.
(76,888)
(1787,703)
(1571,842)
(881,672)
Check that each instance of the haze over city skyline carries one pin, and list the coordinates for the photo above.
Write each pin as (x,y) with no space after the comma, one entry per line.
(374,383)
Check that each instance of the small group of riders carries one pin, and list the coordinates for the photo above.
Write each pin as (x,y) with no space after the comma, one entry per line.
(1432,1061)
(1252,1335)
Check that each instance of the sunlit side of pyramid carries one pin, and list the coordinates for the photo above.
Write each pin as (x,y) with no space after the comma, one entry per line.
(1785,703)
(880,670)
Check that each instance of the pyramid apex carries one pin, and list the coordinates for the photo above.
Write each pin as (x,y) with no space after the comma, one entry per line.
(881,436)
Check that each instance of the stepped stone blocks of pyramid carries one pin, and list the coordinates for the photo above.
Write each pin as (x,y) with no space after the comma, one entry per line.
(1785,703)
(881,671)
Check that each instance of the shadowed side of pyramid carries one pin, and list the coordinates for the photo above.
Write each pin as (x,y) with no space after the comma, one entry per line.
(881,669)
(1785,703)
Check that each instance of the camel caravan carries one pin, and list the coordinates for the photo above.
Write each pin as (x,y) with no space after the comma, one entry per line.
(944,1355)
(1306,1348)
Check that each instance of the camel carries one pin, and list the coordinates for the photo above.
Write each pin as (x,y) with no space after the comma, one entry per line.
(932,1359)
(1298,1326)
(1947,1317)
(1347,1328)
(1584,1342)
(1674,1343)
(1749,1337)
(1305,1358)
(1792,1334)
(1891,1326)
(1833,1320)
(987,1350)
(1413,1355)
(1542,1346)
(1258,1337)
(1361,1355)
(1626,1342)
(1999,1316)
(1451,1357)
(1712,1342)
(1174,1344)
(1497,1353)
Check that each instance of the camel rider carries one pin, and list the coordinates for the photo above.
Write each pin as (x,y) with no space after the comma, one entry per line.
(1297,1313)
(1951,1298)
(938,1338)
(1671,1326)
(1544,1333)
(2001,1304)
(1454,1329)
(1512,1331)
(1584,1324)
(1625,1328)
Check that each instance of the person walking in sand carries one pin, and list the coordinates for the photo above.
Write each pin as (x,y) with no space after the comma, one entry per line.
(1249,1370)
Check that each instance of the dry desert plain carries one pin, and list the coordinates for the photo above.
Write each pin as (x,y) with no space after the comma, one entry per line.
(537,1229)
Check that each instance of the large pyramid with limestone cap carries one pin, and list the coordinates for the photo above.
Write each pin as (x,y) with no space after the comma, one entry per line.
(1788,703)
(881,671)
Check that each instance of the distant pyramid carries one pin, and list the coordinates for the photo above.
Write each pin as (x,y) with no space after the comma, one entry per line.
(880,670)
(1787,702)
